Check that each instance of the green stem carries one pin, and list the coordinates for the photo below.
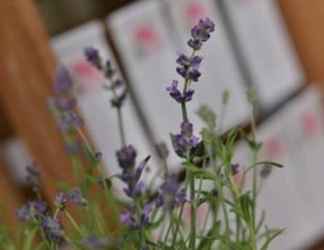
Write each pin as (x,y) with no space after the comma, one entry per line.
(175,234)
(73,222)
(193,213)
(121,127)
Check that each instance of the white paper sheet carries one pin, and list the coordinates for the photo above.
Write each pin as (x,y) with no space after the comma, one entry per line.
(265,44)
(94,102)
(219,69)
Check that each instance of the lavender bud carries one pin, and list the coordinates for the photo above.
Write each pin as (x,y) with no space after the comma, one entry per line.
(93,57)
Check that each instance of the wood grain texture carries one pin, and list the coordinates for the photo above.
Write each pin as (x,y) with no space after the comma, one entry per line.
(305,21)
(10,199)
(27,68)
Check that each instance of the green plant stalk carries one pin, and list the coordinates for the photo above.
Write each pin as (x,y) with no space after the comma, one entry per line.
(254,184)
(175,234)
(193,213)
(73,222)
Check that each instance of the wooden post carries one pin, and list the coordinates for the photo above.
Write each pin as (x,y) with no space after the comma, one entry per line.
(10,199)
(27,67)
(305,22)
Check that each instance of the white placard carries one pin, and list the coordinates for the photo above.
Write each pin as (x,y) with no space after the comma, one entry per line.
(94,102)
(266,47)
(219,69)
(149,56)
(291,196)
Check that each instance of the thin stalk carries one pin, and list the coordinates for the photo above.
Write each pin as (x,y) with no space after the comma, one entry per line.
(73,222)
(175,234)
(254,185)
(121,127)
(193,214)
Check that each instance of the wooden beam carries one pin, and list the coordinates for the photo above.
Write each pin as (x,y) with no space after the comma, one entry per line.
(27,68)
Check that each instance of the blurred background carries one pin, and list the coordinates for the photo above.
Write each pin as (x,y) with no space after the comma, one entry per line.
(273,46)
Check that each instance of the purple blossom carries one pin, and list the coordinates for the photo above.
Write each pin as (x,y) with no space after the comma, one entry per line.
(170,194)
(189,67)
(133,221)
(145,217)
(61,199)
(92,55)
(131,176)
(135,190)
(185,141)
(200,33)
(73,197)
(70,120)
(65,103)
(76,197)
(175,93)
(32,210)
(63,82)
(235,169)
(126,156)
(128,219)
(53,230)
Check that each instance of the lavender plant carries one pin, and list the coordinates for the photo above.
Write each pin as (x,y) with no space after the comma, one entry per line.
(150,218)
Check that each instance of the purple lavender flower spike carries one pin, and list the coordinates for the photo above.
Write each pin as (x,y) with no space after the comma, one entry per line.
(32,210)
(207,24)
(24,214)
(126,157)
(93,57)
(65,103)
(189,67)
(200,33)
(53,230)
(75,196)
(187,129)
(138,189)
(170,194)
(235,169)
(185,141)
(194,75)
(145,218)
(176,94)
(70,120)
(128,219)
(196,61)
(61,199)
(63,81)
(194,44)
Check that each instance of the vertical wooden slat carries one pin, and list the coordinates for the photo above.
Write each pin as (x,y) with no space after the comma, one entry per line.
(10,199)
(305,22)
(27,67)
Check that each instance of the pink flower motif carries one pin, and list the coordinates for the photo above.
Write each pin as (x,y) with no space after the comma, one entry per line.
(273,148)
(195,11)
(147,37)
(310,124)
